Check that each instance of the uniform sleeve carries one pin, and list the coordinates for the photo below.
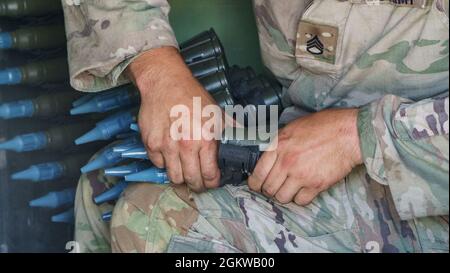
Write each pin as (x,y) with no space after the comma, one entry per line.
(405,146)
(105,36)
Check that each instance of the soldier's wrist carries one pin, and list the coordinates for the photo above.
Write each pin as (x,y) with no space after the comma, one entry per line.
(157,69)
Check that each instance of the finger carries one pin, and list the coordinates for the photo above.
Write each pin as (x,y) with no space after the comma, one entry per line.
(305,196)
(190,163)
(173,165)
(154,151)
(209,165)
(262,170)
(276,178)
(288,190)
(157,159)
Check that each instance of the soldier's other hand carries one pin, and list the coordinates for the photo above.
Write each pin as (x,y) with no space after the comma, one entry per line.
(313,154)
(165,81)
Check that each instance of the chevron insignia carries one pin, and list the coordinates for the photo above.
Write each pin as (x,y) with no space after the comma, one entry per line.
(315,46)
(317,42)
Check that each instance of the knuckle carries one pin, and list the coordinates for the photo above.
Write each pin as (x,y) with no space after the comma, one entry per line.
(175,177)
(189,179)
(209,173)
(300,174)
(153,146)
(213,185)
(288,160)
(258,175)
(303,200)
(319,184)
(186,144)
(269,190)
(253,183)
(158,162)
(282,198)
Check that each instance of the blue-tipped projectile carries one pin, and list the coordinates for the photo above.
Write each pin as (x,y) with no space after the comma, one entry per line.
(83,99)
(108,101)
(111,194)
(17,109)
(26,143)
(10,76)
(67,217)
(105,159)
(41,172)
(127,144)
(107,216)
(109,128)
(152,175)
(123,171)
(55,199)
(6,40)
(137,152)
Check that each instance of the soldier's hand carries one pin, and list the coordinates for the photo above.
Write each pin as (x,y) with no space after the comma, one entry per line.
(165,81)
(313,154)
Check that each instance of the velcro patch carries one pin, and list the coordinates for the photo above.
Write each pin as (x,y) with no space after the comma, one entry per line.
(317,41)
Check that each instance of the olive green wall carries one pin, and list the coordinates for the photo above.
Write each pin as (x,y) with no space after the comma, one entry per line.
(233,21)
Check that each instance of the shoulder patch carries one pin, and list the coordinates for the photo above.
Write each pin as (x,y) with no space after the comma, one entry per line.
(317,42)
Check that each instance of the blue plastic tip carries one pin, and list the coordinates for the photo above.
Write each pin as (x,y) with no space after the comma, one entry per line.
(67,217)
(123,171)
(55,199)
(17,109)
(10,76)
(127,144)
(93,165)
(26,143)
(136,153)
(135,127)
(82,109)
(105,102)
(106,159)
(108,128)
(112,194)
(107,216)
(152,175)
(28,174)
(83,99)
(6,40)
(91,136)
(41,172)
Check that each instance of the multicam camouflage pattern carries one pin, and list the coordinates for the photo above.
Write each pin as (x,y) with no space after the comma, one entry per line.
(91,232)
(390,61)
(146,220)
(97,55)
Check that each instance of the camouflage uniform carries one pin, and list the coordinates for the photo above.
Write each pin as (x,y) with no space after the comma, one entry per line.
(388,59)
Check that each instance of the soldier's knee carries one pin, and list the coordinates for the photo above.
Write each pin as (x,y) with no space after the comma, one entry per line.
(143,195)
(147,215)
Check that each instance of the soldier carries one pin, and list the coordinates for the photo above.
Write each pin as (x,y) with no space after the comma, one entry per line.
(366,172)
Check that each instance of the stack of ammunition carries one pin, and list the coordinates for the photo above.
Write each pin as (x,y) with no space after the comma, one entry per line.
(127,157)
(37,132)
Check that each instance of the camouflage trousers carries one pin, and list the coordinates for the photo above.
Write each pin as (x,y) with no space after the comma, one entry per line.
(357,215)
